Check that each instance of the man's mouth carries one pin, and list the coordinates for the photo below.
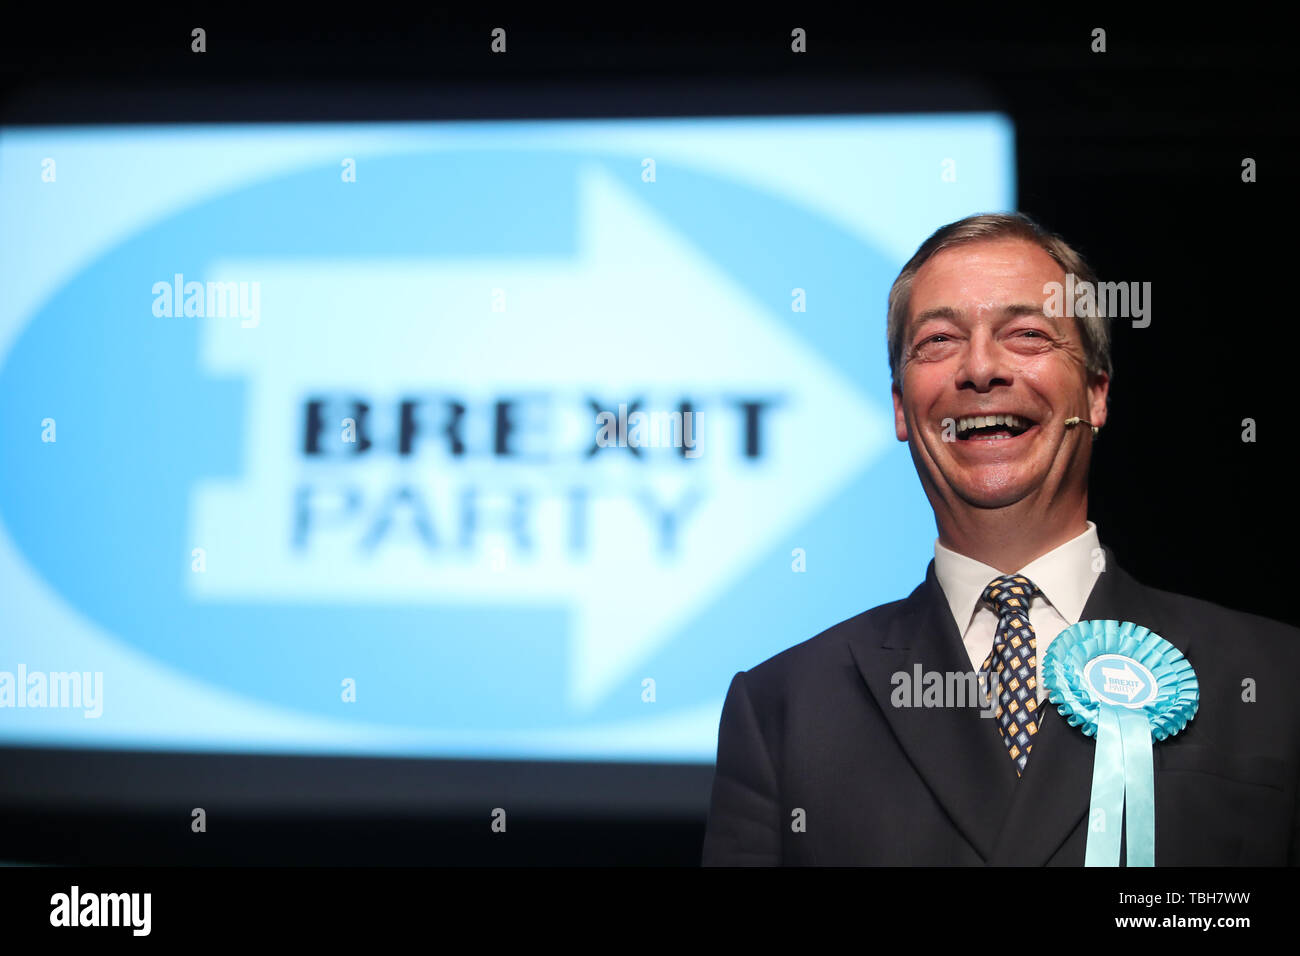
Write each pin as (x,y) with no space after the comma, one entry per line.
(992,427)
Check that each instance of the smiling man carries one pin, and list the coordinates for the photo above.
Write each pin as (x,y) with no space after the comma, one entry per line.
(827,753)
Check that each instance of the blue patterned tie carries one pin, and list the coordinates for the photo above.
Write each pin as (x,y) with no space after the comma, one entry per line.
(1013,662)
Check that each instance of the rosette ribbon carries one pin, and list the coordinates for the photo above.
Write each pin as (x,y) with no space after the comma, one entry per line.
(1125,685)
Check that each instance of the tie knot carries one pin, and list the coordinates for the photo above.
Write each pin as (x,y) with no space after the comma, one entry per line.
(1010,594)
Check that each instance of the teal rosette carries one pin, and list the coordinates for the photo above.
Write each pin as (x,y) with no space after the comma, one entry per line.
(1125,685)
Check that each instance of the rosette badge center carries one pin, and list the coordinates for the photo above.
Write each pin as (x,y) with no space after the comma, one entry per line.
(1120,681)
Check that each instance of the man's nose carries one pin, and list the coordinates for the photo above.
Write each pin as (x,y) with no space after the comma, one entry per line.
(984,363)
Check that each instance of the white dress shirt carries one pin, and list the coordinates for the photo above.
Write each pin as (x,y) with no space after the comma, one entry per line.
(1065,575)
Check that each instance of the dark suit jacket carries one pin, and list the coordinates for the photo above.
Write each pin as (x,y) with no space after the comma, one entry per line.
(813,729)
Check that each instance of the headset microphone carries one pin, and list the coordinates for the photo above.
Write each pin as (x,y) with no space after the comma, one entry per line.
(1071,422)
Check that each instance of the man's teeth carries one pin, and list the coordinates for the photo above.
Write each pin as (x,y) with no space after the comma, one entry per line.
(988,421)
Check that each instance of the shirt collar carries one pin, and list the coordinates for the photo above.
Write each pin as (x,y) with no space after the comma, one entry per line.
(1066,575)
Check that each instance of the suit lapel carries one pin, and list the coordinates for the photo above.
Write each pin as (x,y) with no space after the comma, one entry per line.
(958,753)
(1052,797)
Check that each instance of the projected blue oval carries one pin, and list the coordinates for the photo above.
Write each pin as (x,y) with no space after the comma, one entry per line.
(107,513)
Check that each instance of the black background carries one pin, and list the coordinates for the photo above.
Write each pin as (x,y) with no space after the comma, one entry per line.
(1134,156)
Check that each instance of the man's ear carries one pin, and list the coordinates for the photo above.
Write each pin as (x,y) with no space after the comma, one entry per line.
(1098,390)
(900,420)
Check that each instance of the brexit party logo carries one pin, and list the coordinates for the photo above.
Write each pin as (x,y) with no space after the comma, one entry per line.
(1121,681)
(381,457)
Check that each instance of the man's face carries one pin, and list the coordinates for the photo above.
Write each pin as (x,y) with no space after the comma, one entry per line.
(978,343)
